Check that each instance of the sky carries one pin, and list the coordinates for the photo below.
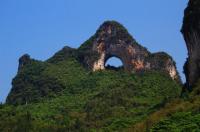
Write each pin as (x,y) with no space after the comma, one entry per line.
(42,27)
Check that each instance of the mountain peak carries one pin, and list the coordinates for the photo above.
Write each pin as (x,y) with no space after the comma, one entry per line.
(112,23)
(24,60)
(114,29)
(113,40)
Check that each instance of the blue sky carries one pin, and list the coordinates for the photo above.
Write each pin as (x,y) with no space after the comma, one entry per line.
(42,27)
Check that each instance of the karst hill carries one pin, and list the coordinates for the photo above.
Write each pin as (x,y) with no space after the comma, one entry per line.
(74,90)
(111,39)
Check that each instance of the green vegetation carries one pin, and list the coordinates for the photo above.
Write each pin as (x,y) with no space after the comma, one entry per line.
(188,119)
(60,94)
(177,115)
(64,96)
(85,53)
(181,121)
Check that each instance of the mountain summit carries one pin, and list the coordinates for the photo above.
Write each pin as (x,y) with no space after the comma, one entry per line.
(110,40)
(113,40)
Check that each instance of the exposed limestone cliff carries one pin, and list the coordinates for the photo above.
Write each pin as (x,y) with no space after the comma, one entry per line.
(191,33)
(112,39)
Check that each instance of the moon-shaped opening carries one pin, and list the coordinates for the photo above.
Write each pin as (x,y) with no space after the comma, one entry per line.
(114,63)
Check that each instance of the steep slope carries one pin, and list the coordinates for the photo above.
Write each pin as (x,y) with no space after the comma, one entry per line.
(181,114)
(113,40)
(105,100)
(191,33)
(65,93)
(35,81)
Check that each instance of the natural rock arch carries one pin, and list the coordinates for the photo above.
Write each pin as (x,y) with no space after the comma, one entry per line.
(108,62)
(127,53)
(112,39)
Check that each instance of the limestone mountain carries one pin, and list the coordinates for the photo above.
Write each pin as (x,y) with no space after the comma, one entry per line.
(75,91)
(191,33)
(111,39)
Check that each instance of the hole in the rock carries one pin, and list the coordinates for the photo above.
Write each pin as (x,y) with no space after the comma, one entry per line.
(114,63)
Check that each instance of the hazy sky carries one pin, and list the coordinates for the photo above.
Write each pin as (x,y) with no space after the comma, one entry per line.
(42,27)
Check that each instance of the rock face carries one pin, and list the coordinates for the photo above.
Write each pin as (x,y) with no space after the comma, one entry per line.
(113,40)
(191,33)
(24,60)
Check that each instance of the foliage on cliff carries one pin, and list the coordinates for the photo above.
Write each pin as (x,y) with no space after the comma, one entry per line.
(64,96)
(61,94)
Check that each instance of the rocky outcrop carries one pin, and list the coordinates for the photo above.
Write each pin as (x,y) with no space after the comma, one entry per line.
(24,60)
(191,33)
(113,40)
